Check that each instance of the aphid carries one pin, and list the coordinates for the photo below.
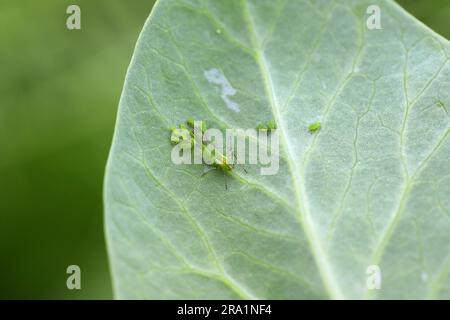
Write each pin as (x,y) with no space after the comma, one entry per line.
(179,134)
(314,127)
(271,125)
(216,161)
(212,158)
(182,132)
(268,126)
(440,103)
(191,122)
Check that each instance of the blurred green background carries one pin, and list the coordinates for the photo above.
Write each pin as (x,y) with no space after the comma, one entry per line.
(59,95)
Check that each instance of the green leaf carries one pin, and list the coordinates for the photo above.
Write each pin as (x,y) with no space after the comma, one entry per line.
(370,188)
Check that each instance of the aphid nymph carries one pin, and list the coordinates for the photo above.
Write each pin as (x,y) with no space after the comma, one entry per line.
(314,127)
(179,134)
(268,126)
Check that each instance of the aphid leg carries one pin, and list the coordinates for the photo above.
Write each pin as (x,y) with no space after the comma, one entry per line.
(225,179)
(235,161)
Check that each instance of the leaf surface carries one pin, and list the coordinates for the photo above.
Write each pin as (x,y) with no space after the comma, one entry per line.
(370,188)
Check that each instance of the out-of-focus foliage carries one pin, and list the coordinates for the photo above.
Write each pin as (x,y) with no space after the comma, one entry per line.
(59,95)
(59,92)
(435,14)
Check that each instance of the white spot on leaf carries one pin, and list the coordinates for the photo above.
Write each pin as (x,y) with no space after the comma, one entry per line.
(216,77)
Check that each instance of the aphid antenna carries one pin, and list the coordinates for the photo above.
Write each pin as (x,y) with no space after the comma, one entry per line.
(235,162)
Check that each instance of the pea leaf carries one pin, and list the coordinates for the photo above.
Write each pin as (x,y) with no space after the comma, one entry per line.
(358,209)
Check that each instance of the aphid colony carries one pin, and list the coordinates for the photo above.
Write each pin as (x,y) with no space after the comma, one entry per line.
(185,133)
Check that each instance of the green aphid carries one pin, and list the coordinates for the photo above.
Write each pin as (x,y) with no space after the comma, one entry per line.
(271,125)
(216,159)
(182,132)
(221,162)
(178,135)
(314,127)
(440,103)
(190,122)
(268,126)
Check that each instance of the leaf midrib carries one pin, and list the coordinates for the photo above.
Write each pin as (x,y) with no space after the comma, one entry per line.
(302,214)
